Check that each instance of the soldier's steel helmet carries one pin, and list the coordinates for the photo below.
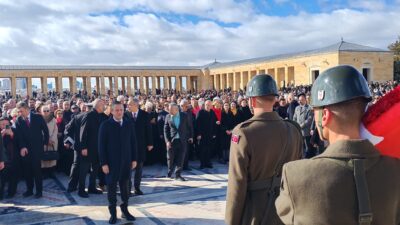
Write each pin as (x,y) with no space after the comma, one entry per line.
(339,84)
(261,85)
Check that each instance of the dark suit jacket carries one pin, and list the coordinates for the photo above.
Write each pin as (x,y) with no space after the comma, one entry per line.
(143,133)
(161,121)
(72,130)
(32,137)
(206,124)
(117,148)
(184,130)
(90,132)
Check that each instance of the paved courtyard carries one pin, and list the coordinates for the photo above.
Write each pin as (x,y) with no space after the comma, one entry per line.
(200,200)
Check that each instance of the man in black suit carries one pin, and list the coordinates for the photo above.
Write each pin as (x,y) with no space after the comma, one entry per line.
(117,154)
(184,107)
(72,143)
(144,139)
(163,112)
(178,133)
(205,133)
(89,131)
(33,135)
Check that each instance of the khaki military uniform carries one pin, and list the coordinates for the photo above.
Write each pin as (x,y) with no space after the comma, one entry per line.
(322,190)
(255,149)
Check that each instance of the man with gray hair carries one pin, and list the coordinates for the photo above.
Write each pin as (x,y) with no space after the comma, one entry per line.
(89,131)
(185,107)
(177,133)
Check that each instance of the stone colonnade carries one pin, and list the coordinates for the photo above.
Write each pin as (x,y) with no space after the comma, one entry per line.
(105,82)
(238,80)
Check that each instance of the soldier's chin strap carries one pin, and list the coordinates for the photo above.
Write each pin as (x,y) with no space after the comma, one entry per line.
(319,124)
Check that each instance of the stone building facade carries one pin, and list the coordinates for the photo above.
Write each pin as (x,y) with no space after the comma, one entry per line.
(287,69)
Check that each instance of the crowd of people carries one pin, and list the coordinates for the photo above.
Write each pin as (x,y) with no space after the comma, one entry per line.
(59,132)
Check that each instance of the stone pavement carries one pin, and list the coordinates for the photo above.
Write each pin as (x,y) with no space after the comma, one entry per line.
(200,200)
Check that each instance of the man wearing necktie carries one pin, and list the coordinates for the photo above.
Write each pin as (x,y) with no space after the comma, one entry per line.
(117,155)
(33,135)
(140,121)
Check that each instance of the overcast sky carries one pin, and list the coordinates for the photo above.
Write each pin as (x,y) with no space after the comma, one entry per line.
(184,32)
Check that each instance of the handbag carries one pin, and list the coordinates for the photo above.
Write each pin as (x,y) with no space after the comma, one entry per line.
(50,155)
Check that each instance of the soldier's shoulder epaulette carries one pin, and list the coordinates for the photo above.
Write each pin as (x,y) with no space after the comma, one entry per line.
(294,123)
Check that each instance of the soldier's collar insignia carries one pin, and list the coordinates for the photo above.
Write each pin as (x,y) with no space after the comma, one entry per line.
(235,138)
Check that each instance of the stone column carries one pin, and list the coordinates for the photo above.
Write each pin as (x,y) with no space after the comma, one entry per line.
(115,87)
(178,83)
(153,85)
(72,84)
(141,85)
(129,86)
(58,84)
(229,80)
(29,86)
(88,85)
(236,81)
(158,82)
(13,86)
(103,85)
(189,83)
(43,81)
(286,76)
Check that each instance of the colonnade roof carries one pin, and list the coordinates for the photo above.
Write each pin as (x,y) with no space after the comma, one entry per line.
(89,67)
(341,46)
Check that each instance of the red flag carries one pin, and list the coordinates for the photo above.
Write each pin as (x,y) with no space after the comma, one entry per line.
(381,124)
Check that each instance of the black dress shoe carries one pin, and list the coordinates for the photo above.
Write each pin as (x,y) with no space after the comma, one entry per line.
(39,195)
(126,215)
(180,178)
(138,192)
(27,194)
(95,191)
(83,194)
(112,220)
(169,175)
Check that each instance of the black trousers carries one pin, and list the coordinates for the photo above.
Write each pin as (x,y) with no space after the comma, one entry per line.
(309,150)
(189,155)
(205,151)
(176,156)
(33,174)
(112,193)
(138,176)
(84,167)
(74,175)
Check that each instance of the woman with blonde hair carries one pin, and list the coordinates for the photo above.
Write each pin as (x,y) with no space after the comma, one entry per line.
(48,165)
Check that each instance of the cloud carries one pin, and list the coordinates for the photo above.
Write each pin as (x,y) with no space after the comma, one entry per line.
(43,32)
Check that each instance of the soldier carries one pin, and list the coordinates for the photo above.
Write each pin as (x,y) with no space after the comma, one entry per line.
(259,148)
(350,183)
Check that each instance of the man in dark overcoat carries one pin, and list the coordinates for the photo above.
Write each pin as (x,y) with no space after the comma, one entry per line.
(117,155)
(144,139)
(33,135)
